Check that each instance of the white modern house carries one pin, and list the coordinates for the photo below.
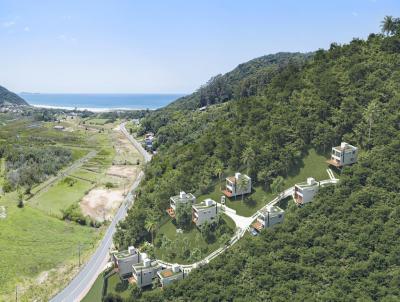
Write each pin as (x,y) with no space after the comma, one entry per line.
(148,139)
(145,271)
(268,217)
(304,192)
(236,185)
(343,155)
(176,201)
(169,275)
(124,260)
(204,211)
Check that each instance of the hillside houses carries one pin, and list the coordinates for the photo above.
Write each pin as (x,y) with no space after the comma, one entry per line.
(144,271)
(169,275)
(304,192)
(176,201)
(124,260)
(343,155)
(237,185)
(204,211)
(268,217)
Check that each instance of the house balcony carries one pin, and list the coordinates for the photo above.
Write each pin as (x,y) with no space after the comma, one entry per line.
(227,193)
(257,225)
(298,199)
(171,212)
(334,162)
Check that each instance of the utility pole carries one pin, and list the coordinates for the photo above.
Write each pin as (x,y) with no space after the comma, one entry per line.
(79,253)
(16,293)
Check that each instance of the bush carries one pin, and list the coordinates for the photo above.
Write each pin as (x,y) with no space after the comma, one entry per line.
(110,185)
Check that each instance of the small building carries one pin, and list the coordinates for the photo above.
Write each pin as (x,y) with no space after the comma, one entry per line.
(204,211)
(124,260)
(176,201)
(268,217)
(343,155)
(135,121)
(148,139)
(59,127)
(304,192)
(169,275)
(233,185)
(145,271)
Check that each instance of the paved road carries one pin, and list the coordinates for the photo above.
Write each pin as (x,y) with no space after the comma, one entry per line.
(83,281)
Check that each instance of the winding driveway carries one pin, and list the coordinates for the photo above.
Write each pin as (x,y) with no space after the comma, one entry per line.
(83,281)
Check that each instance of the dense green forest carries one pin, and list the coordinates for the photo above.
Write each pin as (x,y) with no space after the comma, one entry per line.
(8,97)
(342,247)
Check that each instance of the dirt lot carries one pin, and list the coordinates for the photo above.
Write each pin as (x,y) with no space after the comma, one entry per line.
(130,172)
(101,203)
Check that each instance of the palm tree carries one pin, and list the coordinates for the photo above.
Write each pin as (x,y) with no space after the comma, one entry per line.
(247,158)
(150,225)
(277,185)
(370,115)
(242,184)
(388,25)
(218,171)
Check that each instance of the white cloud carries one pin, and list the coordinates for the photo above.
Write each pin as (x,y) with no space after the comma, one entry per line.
(27,29)
(8,24)
(355,14)
(67,39)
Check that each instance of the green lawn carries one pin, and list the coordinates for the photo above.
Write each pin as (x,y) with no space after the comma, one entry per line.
(97,121)
(312,165)
(78,153)
(61,196)
(193,237)
(94,294)
(32,242)
(116,286)
(87,174)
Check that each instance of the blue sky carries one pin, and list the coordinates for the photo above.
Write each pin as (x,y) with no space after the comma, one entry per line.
(163,46)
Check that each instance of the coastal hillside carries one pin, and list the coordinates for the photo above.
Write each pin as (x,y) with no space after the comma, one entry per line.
(245,80)
(341,247)
(10,98)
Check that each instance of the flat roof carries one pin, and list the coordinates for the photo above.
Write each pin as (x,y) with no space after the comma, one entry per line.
(187,197)
(166,273)
(305,184)
(346,148)
(123,254)
(271,210)
(140,265)
(202,205)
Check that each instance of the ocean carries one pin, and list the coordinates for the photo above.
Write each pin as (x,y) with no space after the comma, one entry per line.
(99,102)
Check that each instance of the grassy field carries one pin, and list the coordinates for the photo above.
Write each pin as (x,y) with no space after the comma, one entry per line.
(193,238)
(39,252)
(94,295)
(312,165)
(60,196)
(32,242)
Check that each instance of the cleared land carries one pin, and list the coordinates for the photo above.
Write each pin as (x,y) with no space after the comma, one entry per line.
(100,203)
(312,165)
(191,239)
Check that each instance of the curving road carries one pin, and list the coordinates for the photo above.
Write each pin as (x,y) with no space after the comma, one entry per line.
(83,281)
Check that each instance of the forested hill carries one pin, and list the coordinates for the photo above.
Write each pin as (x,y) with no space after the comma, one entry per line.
(10,98)
(246,80)
(345,245)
